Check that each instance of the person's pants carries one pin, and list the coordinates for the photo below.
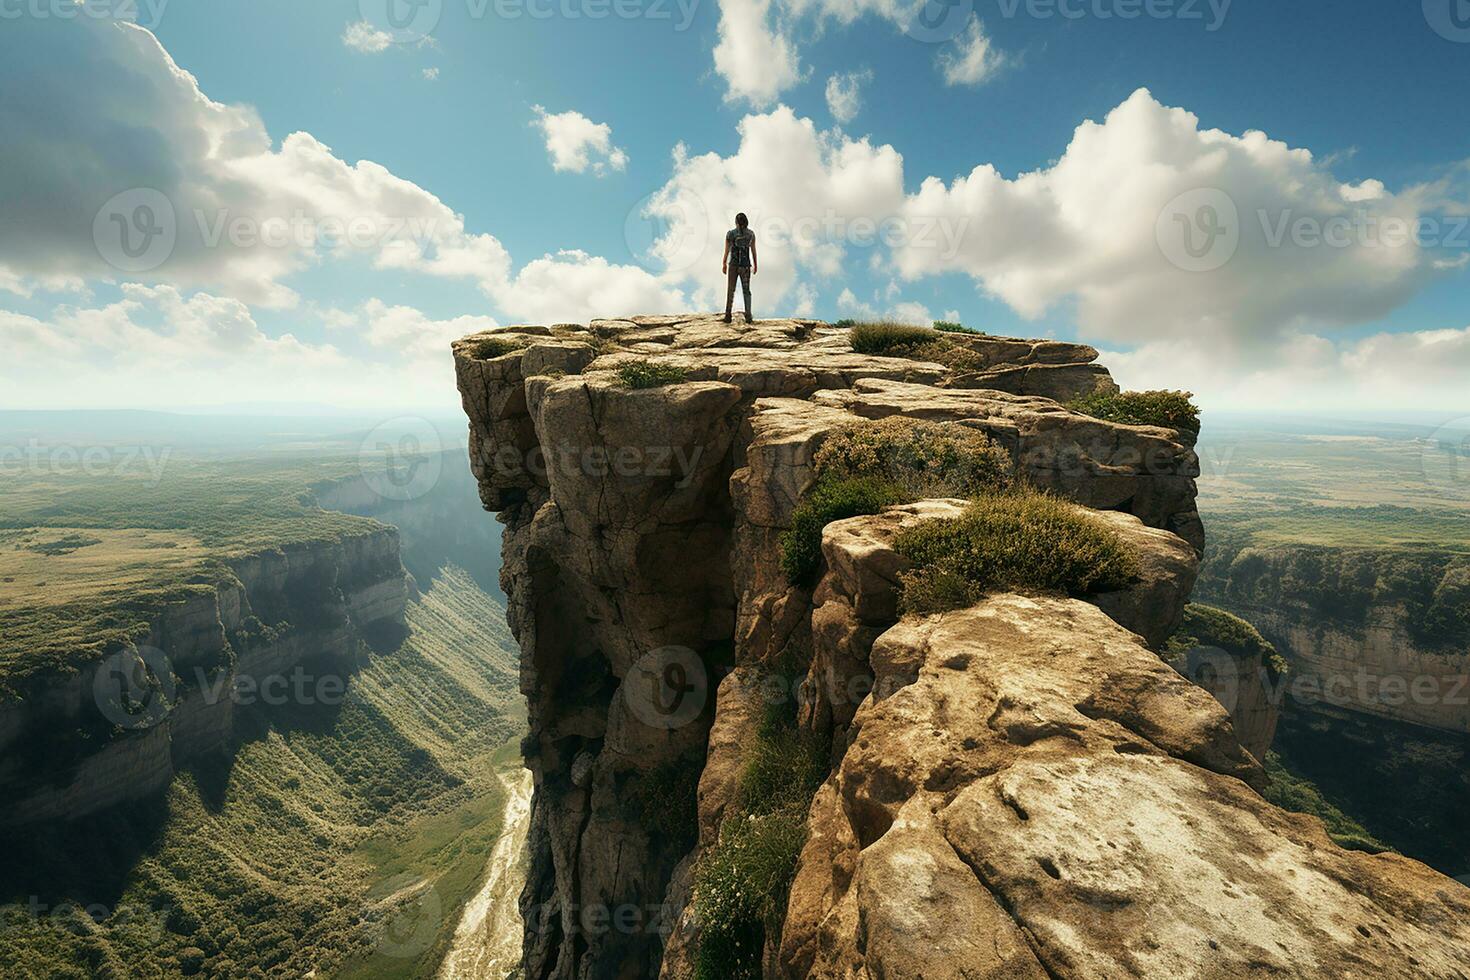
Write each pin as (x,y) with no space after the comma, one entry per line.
(743,274)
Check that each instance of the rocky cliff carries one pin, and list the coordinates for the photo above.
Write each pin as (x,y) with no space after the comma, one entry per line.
(1018,786)
(117,727)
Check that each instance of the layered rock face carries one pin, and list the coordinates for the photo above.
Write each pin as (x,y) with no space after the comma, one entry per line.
(118,729)
(1021,788)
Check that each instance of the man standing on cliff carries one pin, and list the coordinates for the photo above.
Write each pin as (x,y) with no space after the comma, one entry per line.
(739,262)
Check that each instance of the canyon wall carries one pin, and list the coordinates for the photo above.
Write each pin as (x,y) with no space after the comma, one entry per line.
(1376,709)
(116,728)
(1020,788)
(1371,631)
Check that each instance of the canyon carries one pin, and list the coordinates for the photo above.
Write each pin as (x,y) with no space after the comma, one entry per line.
(124,723)
(1018,787)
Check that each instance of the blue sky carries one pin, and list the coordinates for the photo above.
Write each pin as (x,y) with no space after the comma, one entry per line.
(1370,89)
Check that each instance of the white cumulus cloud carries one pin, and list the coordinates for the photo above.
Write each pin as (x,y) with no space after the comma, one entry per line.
(246,214)
(577,144)
(1099,232)
(753,54)
(364,37)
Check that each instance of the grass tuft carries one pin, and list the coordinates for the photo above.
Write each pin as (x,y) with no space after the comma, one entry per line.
(1023,541)
(742,883)
(916,343)
(491,347)
(892,339)
(1169,409)
(646,374)
(927,459)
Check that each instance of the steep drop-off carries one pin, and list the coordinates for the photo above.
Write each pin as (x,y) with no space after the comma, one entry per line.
(1018,788)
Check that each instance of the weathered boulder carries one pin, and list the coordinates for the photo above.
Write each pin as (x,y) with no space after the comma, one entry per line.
(1060,382)
(1031,792)
(859,597)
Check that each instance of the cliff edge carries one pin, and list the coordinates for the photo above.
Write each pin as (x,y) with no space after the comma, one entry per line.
(844,664)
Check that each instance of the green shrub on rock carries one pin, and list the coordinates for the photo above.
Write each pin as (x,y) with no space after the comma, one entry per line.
(1169,409)
(915,343)
(646,374)
(1010,542)
(828,501)
(949,326)
(491,347)
(1204,625)
(867,466)
(926,459)
(742,883)
(740,887)
(890,339)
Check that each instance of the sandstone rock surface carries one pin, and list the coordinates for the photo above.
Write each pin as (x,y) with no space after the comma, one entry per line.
(1041,798)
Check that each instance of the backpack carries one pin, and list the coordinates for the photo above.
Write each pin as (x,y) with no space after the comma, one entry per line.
(740,239)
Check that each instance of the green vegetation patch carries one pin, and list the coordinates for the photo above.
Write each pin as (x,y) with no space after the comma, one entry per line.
(891,339)
(491,347)
(949,326)
(646,374)
(742,883)
(924,458)
(828,501)
(64,545)
(1169,409)
(916,343)
(1207,626)
(1300,795)
(1023,541)
(867,466)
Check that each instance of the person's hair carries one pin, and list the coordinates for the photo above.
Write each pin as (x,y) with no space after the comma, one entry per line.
(741,220)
